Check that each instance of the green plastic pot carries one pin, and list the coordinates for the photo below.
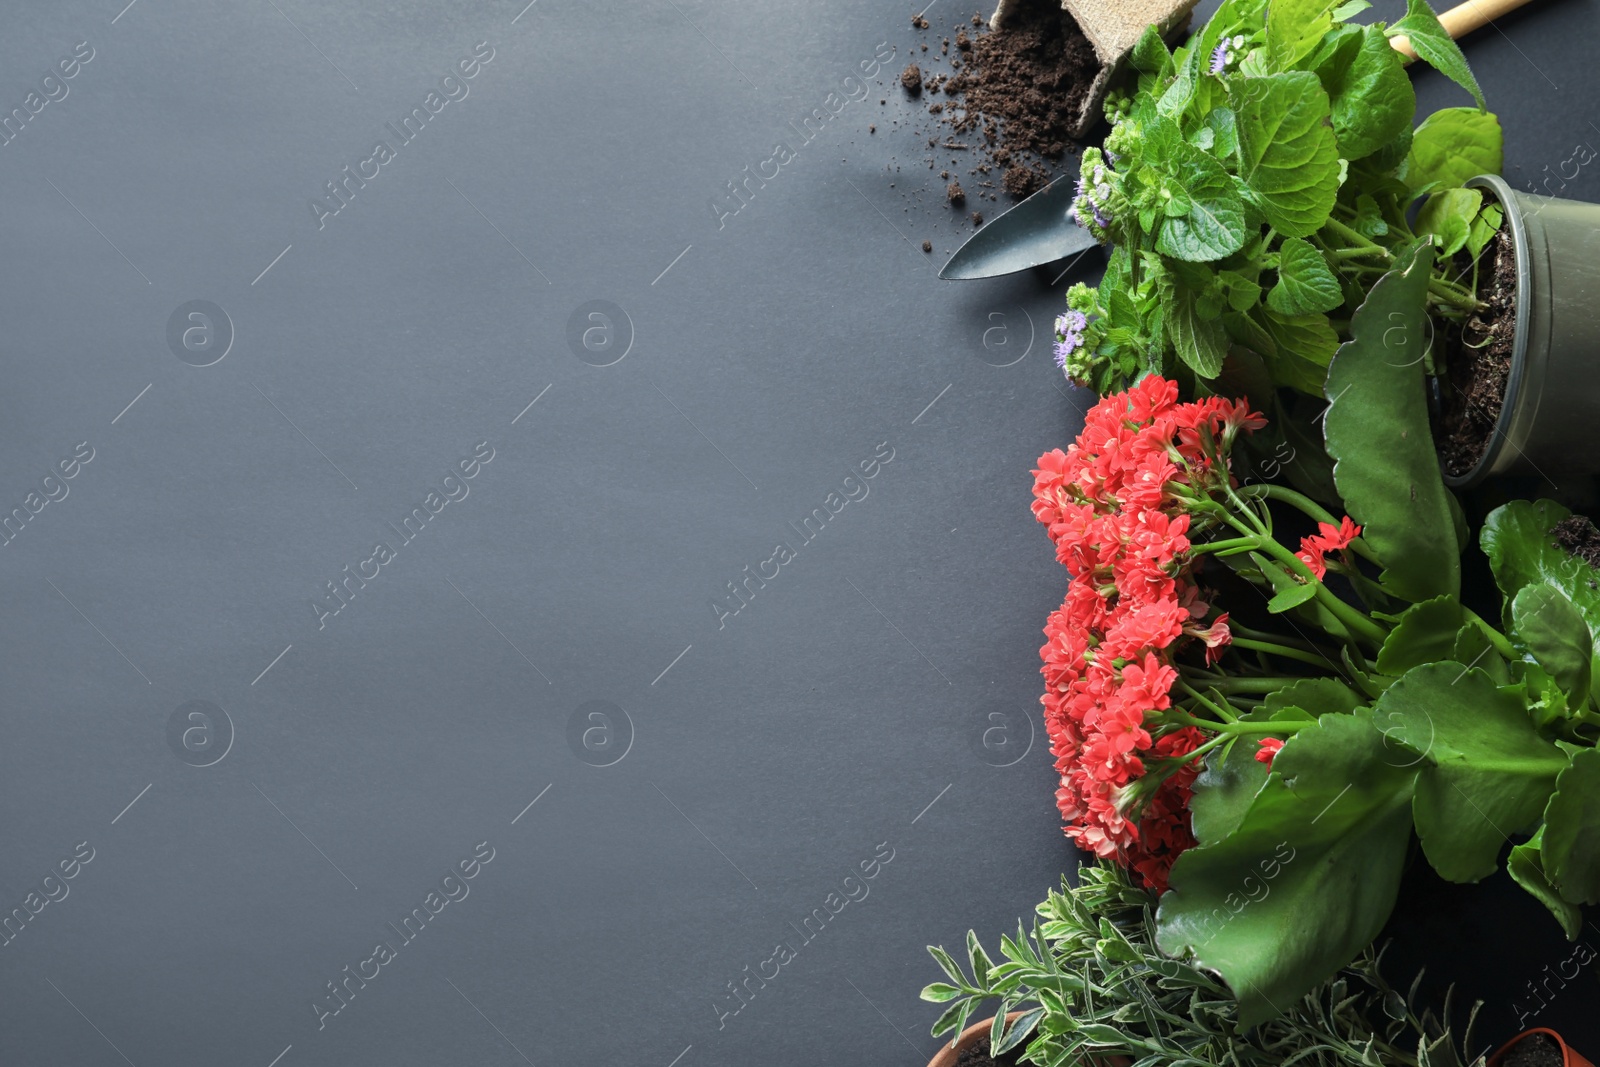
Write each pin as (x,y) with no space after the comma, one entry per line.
(1551,411)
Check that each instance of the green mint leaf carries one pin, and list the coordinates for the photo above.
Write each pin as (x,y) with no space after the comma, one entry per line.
(1294,28)
(1201,343)
(1150,54)
(1484,226)
(1372,99)
(1452,145)
(1305,284)
(1436,47)
(1305,346)
(1350,8)
(1287,153)
(1369,220)
(1213,226)
(1448,217)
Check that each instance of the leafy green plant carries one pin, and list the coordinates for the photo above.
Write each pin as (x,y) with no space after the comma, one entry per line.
(1443,725)
(1334,720)
(1090,981)
(1257,183)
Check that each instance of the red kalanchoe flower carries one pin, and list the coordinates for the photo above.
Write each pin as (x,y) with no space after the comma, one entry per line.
(1328,538)
(1269,748)
(1113,505)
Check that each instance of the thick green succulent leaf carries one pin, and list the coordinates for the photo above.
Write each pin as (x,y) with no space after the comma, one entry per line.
(1426,633)
(1526,867)
(1326,836)
(1452,145)
(1523,551)
(1571,848)
(1433,44)
(1224,790)
(1287,154)
(1372,100)
(1377,433)
(1546,622)
(1483,770)
(1305,284)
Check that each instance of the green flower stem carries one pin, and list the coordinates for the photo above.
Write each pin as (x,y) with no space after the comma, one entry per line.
(1280,650)
(1357,239)
(1496,638)
(1353,620)
(1358,253)
(1180,717)
(1309,507)
(1226,545)
(1256,684)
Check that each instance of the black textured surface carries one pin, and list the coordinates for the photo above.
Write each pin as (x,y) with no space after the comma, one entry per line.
(764,357)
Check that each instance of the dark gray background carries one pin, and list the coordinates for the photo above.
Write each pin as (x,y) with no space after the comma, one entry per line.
(835,713)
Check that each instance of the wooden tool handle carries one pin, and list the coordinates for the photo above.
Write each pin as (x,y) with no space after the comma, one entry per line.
(1462,20)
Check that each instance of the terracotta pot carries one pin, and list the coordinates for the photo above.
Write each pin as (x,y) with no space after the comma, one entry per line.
(1569,1058)
(978,1033)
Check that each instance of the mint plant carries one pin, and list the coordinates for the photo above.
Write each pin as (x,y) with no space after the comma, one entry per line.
(1257,182)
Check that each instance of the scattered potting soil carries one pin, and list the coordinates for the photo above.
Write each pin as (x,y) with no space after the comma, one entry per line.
(954,193)
(1578,536)
(1016,91)
(978,1056)
(1477,360)
(1535,1050)
(911,78)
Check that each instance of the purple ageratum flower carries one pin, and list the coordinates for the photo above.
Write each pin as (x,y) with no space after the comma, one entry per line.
(1069,334)
(1220,58)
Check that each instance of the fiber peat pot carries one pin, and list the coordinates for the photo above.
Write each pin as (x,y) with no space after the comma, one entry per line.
(1502,1057)
(1551,402)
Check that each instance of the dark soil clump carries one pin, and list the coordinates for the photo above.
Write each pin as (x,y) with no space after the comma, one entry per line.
(955,194)
(977,218)
(1535,1050)
(1577,536)
(1477,360)
(911,79)
(1025,85)
(978,1056)
(927,246)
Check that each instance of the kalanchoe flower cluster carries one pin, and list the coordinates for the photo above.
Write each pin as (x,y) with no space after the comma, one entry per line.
(1113,503)
(1226,54)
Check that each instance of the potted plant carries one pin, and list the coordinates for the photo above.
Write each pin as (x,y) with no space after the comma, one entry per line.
(1263,729)
(1521,392)
(1088,981)
(1537,1048)
(1256,184)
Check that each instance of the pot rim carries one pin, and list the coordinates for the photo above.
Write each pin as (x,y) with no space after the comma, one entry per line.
(951,1051)
(1569,1056)
(1501,190)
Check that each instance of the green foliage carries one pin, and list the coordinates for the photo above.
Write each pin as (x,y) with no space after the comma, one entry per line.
(1258,181)
(1091,982)
(1377,429)
(1434,45)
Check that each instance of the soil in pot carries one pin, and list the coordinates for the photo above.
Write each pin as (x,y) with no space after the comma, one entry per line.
(1013,95)
(1477,359)
(1535,1050)
(978,1056)
(1578,536)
